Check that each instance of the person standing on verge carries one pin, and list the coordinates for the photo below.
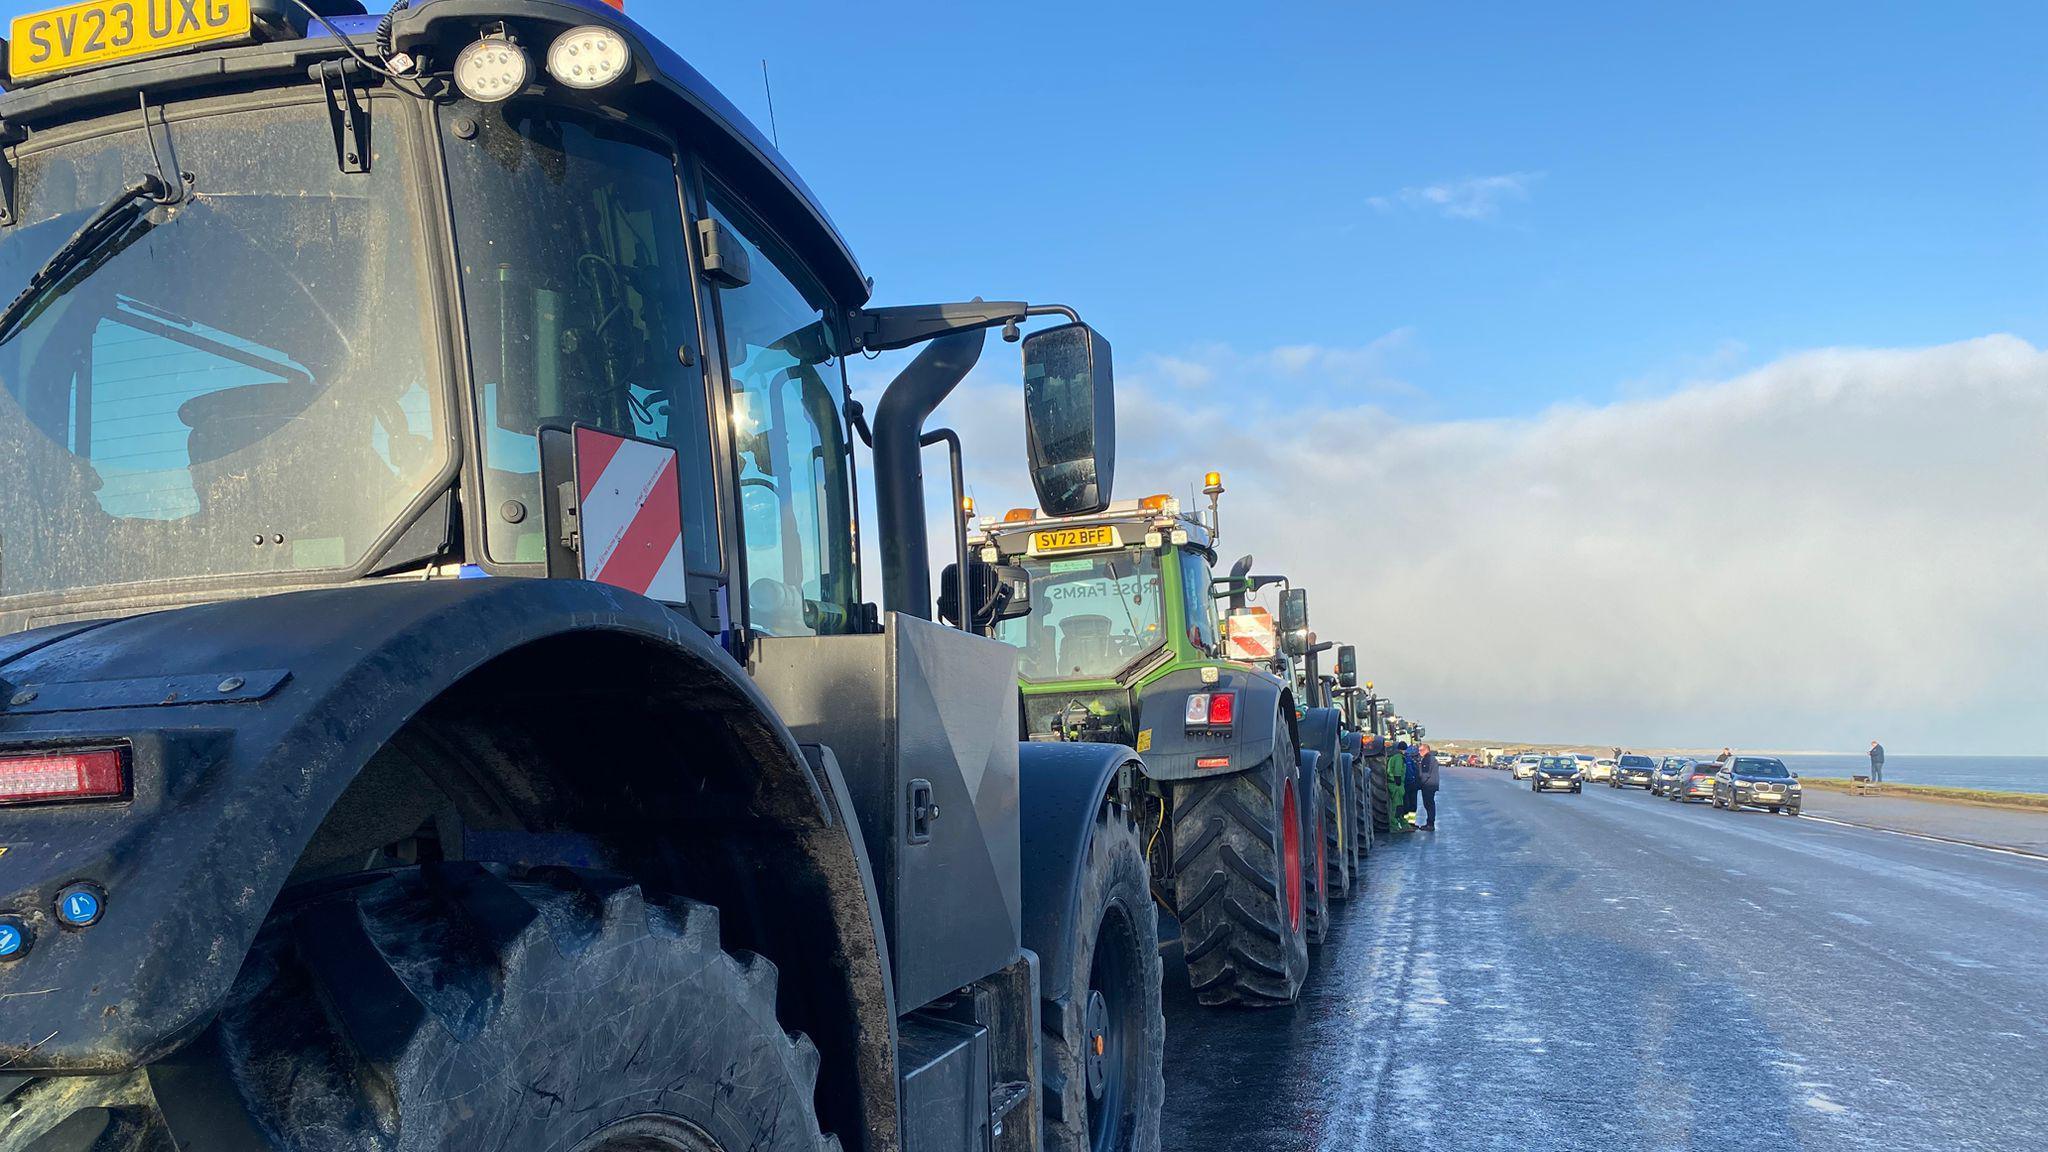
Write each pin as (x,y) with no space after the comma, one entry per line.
(1426,780)
(1876,762)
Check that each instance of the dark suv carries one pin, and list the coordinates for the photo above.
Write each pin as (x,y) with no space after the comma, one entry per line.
(1760,781)
(1632,771)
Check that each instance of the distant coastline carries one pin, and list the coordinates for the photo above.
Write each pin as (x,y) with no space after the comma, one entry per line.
(1974,775)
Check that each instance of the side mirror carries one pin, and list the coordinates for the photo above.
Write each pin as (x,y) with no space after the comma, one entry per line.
(1069,419)
(1347,665)
(1294,637)
(1294,610)
(997,592)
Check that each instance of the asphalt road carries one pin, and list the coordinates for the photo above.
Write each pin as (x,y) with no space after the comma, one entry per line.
(1613,972)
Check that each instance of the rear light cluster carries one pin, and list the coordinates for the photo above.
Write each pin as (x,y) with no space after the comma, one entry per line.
(47,777)
(1212,709)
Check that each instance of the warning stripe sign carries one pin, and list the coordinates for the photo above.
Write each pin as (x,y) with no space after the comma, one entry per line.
(631,514)
(1249,635)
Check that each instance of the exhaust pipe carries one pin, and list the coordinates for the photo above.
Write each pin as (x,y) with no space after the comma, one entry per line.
(910,399)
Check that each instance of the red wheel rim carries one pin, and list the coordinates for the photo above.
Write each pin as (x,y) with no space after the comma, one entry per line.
(1290,854)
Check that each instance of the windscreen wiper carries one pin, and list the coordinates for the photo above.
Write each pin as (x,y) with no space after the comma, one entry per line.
(112,219)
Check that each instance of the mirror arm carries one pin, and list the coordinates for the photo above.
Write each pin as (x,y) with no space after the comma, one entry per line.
(884,329)
(951,440)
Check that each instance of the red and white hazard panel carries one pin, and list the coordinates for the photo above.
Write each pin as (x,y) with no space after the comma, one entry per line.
(631,514)
(1249,635)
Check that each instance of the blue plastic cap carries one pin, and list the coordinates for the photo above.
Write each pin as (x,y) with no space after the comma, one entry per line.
(79,906)
(13,939)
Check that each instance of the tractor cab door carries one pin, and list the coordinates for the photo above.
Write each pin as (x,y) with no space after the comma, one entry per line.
(589,323)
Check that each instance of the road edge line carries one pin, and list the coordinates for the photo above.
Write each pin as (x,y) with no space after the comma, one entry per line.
(1931,838)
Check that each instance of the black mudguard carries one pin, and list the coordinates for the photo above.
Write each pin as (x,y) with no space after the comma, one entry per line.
(1319,730)
(1061,785)
(1171,751)
(247,721)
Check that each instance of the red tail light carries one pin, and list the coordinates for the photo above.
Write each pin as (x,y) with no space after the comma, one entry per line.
(1222,709)
(101,774)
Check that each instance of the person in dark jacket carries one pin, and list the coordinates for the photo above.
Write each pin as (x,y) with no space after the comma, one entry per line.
(1876,762)
(1426,780)
(1410,769)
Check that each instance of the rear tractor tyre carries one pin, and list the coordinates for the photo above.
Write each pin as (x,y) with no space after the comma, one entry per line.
(1361,821)
(1382,800)
(1315,848)
(1239,886)
(1337,802)
(1103,1058)
(460,1006)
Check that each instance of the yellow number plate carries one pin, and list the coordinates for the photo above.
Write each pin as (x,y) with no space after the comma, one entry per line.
(1074,539)
(103,31)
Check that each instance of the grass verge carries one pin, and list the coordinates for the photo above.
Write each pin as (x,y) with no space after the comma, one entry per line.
(1985,797)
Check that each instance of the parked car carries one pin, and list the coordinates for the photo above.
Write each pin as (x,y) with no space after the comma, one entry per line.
(1666,773)
(1557,773)
(1632,771)
(1602,771)
(1525,766)
(1761,781)
(1695,781)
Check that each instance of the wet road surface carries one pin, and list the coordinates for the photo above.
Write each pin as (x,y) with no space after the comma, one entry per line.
(1614,972)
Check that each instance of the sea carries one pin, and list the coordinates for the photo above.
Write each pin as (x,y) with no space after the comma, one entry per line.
(2000,773)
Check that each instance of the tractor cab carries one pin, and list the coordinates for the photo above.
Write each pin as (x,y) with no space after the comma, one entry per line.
(1114,598)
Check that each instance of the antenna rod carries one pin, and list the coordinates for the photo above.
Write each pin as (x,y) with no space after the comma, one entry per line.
(773,133)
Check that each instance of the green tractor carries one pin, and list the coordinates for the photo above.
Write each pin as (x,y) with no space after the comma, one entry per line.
(1123,644)
(1382,777)
(1361,770)
(1328,730)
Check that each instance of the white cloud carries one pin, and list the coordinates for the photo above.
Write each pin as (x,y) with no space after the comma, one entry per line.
(1842,544)
(1468,198)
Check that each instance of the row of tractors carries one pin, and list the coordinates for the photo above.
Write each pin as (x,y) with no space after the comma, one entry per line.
(463,721)
(1261,780)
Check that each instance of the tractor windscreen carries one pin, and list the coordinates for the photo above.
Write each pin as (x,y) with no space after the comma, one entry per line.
(232,384)
(1091,616)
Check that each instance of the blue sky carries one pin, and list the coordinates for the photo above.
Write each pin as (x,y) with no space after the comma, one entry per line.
(1523,204)
(1627,195)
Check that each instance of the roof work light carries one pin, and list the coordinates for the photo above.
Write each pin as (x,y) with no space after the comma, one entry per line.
(493,69)
(591,56)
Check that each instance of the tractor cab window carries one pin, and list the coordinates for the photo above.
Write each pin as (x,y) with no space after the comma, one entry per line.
(795,509)
(235,385)
(576,281)
(1091,616)
(1201,606)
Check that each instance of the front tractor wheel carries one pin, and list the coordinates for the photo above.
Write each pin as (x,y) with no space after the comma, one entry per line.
(1382,800)
(1105,1044)
(1239,884)
(456,1006)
